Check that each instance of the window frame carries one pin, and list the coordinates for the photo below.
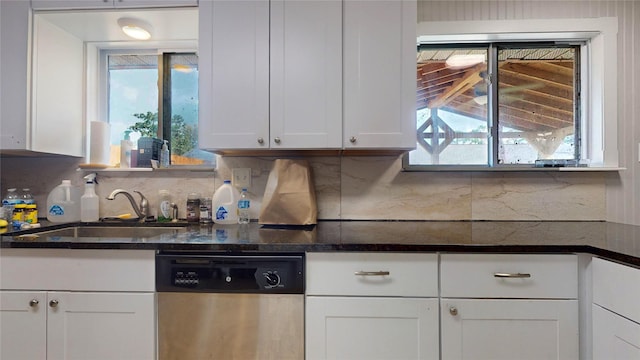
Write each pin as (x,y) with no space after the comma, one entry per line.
(164,86)
(598,86)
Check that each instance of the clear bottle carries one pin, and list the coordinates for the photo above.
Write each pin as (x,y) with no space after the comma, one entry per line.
(243,207)
(26,197)
(9,202)
(165,210)
(225,204)
(164,155)
(126,147)
(89,202)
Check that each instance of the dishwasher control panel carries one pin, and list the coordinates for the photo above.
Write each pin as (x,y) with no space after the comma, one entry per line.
(230,273)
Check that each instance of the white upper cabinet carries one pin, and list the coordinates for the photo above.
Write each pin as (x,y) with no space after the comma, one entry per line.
(14,72)
(306,74)
(233,54)
(107,4)
(270,74)
(42,85)
(379,74)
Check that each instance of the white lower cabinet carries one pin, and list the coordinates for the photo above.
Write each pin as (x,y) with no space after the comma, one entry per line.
(614,337)
(77,304)
(372,306)
(371,328)
(615,311)
(509,329)
(509,306)
(76,325)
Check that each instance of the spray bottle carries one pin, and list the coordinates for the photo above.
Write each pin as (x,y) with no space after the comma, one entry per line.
(89,202)
(126,147)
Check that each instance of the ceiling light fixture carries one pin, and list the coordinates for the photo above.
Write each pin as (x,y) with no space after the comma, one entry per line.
(135,28)
(461,61)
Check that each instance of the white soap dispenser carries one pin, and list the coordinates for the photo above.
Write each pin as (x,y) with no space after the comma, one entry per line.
(164,155)
(126,146)
(89,202)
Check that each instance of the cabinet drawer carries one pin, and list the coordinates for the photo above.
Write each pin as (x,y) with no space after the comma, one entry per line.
(372,273)
(84,270)
(509,276)
(617,288)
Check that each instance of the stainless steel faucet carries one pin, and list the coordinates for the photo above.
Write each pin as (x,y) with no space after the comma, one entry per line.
(142,210)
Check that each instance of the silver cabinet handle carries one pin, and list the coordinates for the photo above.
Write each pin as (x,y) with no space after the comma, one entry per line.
(512,276)
(34,302)
(276,140)
(352,139)
(371,273)
(453,310)
(260,140)
(53,303)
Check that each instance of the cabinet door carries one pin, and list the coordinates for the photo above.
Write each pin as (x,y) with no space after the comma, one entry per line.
(101,326)
(107,4)
(234,74)
(306,74)
(153,3)
(371,328)
(380,74)
(23,325)
(71,4)
(509,329)
(15,25)
(614,337)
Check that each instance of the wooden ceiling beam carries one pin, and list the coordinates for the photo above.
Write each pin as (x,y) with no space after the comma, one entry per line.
(467,81)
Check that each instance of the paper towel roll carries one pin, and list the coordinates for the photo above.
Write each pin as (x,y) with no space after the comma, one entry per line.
(100,149)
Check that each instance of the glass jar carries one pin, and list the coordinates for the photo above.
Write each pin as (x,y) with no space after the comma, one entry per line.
(193,207)
(205,211)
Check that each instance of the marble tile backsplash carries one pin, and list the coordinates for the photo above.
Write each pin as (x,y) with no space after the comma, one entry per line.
(358,188)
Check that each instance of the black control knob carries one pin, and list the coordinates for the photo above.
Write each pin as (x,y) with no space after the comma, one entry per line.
(272,279)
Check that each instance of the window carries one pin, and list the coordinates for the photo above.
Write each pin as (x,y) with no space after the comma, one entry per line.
(515,99)
(462,121)
(154,96)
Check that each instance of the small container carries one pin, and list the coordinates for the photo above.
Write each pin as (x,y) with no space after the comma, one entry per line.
(165,210)
(193,207)
(31,214)
(18,213)
(205,211)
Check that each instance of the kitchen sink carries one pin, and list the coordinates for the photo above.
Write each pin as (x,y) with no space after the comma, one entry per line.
(108,232)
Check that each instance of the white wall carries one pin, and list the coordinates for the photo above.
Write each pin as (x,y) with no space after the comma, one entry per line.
(623,188)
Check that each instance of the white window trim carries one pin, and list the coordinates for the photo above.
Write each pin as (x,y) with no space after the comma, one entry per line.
(600,91)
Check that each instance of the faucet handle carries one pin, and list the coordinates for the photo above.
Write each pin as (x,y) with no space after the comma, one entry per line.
(144,205)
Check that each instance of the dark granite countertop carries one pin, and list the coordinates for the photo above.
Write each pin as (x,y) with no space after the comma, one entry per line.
(613,241)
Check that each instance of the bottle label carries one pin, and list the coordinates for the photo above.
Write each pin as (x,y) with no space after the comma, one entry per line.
(165,209)
(243,204)
(221,213)
(56,210)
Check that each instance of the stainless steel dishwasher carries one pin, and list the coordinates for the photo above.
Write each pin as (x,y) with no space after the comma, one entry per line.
(230,306)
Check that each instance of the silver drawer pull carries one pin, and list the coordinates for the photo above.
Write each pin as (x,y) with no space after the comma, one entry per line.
(371,273)
(512,276)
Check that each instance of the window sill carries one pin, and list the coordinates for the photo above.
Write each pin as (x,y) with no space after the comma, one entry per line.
(169,169)
(462,168)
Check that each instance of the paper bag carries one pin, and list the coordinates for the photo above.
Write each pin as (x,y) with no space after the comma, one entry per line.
(290,197)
